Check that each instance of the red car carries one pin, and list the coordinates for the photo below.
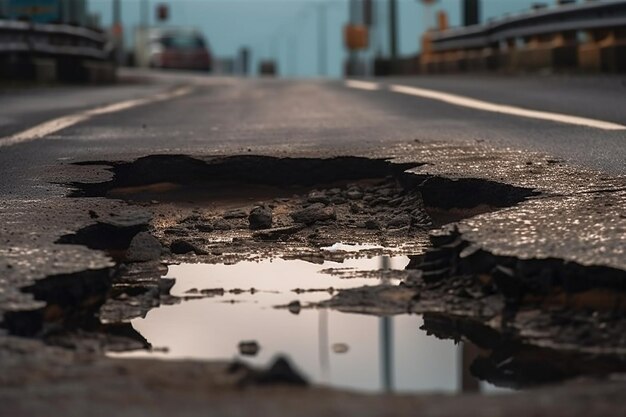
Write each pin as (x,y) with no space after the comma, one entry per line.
(179,49)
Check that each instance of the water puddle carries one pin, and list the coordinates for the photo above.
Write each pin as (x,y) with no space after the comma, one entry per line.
(230,304)
(348,247)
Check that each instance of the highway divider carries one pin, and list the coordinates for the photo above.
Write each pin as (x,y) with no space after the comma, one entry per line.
(55,52)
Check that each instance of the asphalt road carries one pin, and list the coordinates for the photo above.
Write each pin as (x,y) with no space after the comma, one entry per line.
(575,226)
(228,115)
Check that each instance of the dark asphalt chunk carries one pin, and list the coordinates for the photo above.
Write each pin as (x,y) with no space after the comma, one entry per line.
(144,247)
(260,218)
(314,213)
(181,247)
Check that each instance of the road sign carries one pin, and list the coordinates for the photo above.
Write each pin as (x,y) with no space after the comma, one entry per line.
(356,37)
(163,12)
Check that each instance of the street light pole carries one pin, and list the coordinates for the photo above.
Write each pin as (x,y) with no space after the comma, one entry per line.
(471,12)
(291,55)
(118,31)
(393,32)
(321,40)
(145,13)
(117,12)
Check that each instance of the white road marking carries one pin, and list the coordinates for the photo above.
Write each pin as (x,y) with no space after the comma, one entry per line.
(60,123)
(504,109)
(362,85)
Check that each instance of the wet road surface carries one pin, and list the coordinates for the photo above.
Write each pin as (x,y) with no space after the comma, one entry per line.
(65,223)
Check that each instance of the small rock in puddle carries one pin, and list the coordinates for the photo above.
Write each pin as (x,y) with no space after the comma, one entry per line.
(340,348)
(181,247)
(294,307)
(249,348)
(281,372)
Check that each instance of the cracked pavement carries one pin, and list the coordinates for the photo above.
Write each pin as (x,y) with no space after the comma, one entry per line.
(577,216)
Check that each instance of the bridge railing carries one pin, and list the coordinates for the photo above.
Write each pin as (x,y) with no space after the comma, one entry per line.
(52,51)
(587,36)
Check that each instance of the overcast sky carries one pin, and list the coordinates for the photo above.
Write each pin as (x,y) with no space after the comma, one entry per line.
(268,27)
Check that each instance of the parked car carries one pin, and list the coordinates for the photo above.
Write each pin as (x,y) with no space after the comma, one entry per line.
(172,48)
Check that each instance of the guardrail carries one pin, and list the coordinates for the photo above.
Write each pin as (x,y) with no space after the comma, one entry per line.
(53,49)
(52,39)
(557,29)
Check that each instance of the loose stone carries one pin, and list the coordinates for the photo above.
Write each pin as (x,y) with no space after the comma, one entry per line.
(260,218)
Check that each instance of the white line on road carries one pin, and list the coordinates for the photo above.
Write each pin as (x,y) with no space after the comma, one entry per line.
(501,108)
(60,123)
(362,85)
(472,103)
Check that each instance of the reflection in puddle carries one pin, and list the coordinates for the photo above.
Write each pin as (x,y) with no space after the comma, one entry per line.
(276,279)
(329,347)
(350,247)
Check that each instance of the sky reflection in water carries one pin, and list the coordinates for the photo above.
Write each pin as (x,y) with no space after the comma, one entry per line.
(382,353)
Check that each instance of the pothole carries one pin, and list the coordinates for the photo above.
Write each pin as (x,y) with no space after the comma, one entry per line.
(243,235)
(298,231)
(246,204)
(71,302)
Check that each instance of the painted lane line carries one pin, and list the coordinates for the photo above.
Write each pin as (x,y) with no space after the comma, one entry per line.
(504,109)
(60,123)
(362,85)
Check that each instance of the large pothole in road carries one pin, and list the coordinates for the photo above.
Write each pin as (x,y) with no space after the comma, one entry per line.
(245,234)
(297,202)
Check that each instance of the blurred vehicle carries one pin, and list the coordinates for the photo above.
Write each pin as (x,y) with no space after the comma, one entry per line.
(268,68)
(171,48)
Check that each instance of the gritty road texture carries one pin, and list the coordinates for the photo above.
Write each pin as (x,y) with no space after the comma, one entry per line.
(54,199)
(136,388)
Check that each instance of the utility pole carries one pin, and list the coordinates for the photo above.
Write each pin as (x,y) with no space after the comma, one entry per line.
(369,20)
(353,56)
(145,13)
(275,50)
(393,33)
(118,31)
(244,60)
(471,12)
(291,55)
(321,40)
(117,12)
